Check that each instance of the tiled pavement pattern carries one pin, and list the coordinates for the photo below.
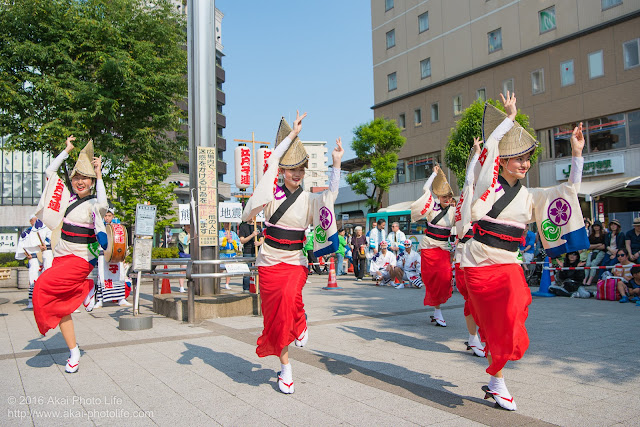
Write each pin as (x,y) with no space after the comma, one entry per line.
(373,359)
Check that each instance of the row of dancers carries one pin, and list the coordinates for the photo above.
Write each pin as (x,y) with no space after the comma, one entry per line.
(489,220)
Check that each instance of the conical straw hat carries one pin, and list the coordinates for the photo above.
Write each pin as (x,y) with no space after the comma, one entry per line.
(83,165)
(440,185)
(515,142)
(296,155)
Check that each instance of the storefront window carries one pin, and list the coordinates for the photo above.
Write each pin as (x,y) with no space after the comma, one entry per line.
(401,176)
(607,133)
(634,127)
(421,167)
(562,140)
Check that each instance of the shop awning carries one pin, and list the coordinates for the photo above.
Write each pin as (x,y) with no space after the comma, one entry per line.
(598,188)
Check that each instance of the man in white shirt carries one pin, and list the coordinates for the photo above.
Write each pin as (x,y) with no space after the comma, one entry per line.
(383,266)
(409,262)
(396,239)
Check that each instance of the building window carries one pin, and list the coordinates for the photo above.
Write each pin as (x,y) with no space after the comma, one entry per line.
(608,4)
(425,68)
(401,121)
(633,123)
(562,140)
(547,19)
(314,165)
(423,22)
(566,73)
(419,167)
(417,117)
(219,132)
(401,176)
(388,5)
(391,39)
(314,155)
(630,53)
(481,94)
(507,85)
(596,64)
(22,176)
(457,105)
(537,81)
(607,133)
(392,82)
(495,40)
(182,168)
(435,112)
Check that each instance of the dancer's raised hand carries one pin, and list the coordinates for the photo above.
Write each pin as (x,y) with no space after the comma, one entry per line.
(577,141)
(337,153)
(510,105)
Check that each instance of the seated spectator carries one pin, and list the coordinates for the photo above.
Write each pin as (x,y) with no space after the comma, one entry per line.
(632,289)
(383,264)
(633,240)
(409,264)
(395,239)
(571,279)
(597,250)
(622,271)
(613,240)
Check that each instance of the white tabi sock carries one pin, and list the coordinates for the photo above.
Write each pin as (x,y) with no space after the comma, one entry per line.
(475,340)
(503,398)
(74,355)
(286,372)
(438,314)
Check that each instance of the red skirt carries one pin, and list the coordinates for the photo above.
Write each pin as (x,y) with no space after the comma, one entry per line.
(462,288)
(60,290)
(500,299)
(282,307)
(435,266)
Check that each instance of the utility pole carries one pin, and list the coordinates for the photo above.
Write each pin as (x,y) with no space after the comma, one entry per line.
(203,177)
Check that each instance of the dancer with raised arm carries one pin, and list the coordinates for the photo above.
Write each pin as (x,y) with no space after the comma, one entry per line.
(436,205)
(76,218)
(501,208)
(281,264)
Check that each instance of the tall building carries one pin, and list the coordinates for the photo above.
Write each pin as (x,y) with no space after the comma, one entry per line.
(316,174)
(568,62)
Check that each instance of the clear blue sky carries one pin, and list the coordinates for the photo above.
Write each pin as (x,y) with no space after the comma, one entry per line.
(286,55)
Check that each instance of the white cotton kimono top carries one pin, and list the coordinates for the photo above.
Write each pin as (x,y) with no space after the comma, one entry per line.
(428,206)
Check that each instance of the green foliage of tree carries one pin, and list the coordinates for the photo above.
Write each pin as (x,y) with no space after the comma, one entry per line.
(110,70)
(377,144)
(142,181)
(469,126)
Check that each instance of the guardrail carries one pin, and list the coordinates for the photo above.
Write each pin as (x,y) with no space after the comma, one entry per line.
(189,275)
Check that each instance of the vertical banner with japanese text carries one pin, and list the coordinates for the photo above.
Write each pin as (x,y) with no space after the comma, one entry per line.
(207,196)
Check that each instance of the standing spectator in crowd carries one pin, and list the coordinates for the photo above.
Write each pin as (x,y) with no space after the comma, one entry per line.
(623,270)
(528,249)
(308,248)
(358,250)
(377,235)
(633,240)
(613,240)
(229,245)
(597,248)
(409,262)
(251,238)
(342,244)
(396,239)
(632,289)
(184,239)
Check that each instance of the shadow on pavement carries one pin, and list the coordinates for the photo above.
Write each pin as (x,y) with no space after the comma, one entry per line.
(429,388)
(236,368)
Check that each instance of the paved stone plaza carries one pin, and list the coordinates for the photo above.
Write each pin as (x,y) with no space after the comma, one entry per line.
(373,359)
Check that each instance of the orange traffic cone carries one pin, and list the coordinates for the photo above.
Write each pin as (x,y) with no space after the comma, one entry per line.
(332,284)
(166,285)
(252,285)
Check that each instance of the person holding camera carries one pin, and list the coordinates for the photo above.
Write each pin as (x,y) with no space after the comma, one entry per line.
(251,238)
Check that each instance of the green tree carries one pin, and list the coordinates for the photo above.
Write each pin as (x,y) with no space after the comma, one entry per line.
(140,182)
(110,70)
(376,144)
(469,126)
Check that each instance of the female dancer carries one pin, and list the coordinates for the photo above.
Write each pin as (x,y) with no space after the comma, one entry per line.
(435,262)
(64,286)
(502,207)
(464,233)
(281,264)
